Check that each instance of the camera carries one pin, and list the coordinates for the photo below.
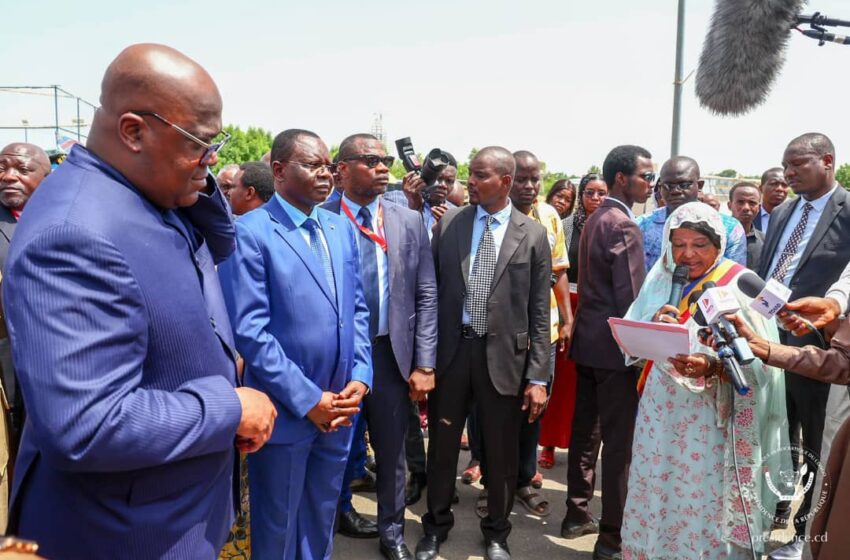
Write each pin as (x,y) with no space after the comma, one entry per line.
(429,170)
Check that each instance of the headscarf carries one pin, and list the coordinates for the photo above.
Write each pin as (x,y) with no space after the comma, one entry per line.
(767,434)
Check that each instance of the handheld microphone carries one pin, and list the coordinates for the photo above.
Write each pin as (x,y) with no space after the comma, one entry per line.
(738,343)
(724,352)
(769,298)
(680,278)
(745,45)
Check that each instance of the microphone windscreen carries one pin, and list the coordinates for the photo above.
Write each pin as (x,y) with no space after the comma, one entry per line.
(698,317)
(750,284)
(680,274)
(743,53)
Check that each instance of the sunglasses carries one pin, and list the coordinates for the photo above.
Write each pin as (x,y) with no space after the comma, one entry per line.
(683,186)
(649,176)
(210,149)
(372,160)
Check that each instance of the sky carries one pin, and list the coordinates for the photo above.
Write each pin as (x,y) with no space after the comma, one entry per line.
(565,79)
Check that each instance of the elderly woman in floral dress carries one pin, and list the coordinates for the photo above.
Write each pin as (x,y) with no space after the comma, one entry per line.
(686,498)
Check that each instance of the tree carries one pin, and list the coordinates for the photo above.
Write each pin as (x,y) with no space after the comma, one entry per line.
(594,170)
(843,176)
(729,173)
(248,145)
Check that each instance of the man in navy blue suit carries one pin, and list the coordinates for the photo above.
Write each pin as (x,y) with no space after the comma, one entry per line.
(119,334)
(302,326)
(397,272)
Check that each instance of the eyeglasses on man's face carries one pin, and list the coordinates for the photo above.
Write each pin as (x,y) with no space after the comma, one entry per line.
(372,160)
(315,168)
(683,186)
(210,148)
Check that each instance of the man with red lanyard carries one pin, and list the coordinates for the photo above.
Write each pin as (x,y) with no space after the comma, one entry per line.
(397,272)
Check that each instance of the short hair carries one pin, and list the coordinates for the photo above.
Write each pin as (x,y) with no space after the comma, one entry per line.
(347,147)
(814,142)
(525,154)
(768,172)
(741,185)
(688,162)
(503,159)
(451,159)
(284,143)
(258,175)
(622,159)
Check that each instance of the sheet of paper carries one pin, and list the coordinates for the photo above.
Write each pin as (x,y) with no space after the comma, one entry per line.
(653,341)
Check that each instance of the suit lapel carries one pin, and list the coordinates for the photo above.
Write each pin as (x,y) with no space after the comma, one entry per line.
(833,207)
(291,235)
(392,233)
(779,216)
(513,237)
(336,253)
(464,240)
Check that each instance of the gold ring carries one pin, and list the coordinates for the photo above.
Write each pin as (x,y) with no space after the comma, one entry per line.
(689,369)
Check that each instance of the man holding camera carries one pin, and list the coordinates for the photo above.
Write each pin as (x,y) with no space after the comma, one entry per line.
(430,201)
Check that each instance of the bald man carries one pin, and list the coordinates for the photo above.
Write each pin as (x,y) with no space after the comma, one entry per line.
(493,268)
(227,178)
(119,332)
(679,182)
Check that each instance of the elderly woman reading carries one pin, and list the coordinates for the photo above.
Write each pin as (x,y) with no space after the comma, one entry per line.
(687,498)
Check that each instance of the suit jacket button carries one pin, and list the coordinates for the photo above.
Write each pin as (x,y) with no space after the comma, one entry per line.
(340,324)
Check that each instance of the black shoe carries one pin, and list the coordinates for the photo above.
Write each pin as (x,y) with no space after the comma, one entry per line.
(354,525)
(365,483)
(428,548)
(413,493)
(601,552)
(400,552)
(370,464)
(497,551)
(571,530)
(455,497)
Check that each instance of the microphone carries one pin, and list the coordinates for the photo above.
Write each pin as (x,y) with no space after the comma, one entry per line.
(738,343)
(769,298)
(680,278)
(724,352)
(745,45)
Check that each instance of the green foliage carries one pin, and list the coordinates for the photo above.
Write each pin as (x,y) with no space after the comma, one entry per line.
(843,176)
(248,145)
(729,173)
(594,170)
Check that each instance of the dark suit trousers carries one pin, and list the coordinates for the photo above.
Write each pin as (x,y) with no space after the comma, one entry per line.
(464,380)
(606,406)
(387,408)
(805,400)
(414,443)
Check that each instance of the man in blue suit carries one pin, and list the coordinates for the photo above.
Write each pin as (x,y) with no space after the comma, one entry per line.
(397,272)
(302,326)
(119,334)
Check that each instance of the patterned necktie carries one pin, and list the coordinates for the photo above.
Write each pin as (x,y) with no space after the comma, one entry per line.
(480,280)
(791,247)
(369,272)
(320,252)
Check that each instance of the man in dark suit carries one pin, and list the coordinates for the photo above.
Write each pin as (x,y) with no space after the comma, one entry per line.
(119,335)
(493,275)
(806,249)
(611,271)
(397,272)
(774,191)
(302,326)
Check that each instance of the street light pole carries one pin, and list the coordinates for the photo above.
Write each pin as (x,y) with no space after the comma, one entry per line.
(677,83)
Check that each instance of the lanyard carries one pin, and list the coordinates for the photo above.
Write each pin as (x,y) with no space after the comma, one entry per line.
(381,242)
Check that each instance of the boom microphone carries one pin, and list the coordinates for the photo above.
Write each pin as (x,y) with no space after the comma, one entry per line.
(743,53)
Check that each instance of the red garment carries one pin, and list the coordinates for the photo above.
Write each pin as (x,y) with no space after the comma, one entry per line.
(556,425)
(16,214)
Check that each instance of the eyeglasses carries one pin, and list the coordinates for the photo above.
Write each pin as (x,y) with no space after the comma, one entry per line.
(316,168)
(372,161)
(210,149)
(649,176)
(683,186)
(595,194)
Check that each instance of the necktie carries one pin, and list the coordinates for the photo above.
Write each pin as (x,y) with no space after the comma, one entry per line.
(369,272)
(320,252)
(791,247)
(480,280)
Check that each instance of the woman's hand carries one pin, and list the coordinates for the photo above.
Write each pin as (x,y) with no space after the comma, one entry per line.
(692,366)
(661,316)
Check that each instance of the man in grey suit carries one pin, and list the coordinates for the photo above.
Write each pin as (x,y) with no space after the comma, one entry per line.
(397,272)
(611,272)
(493,276)
(806,249)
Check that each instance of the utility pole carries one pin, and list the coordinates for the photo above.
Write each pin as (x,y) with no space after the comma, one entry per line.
(678,81)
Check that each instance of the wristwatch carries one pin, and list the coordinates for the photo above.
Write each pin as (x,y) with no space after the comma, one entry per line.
(426,370)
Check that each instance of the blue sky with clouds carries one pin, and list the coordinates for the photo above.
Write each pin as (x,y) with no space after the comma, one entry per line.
(567,80)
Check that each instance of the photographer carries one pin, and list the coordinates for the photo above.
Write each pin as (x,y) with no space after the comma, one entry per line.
(431,204)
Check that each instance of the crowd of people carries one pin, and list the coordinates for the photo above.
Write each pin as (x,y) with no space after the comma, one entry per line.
(160,322)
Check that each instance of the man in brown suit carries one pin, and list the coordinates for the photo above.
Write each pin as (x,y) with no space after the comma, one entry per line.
(493,269)
(611,271)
